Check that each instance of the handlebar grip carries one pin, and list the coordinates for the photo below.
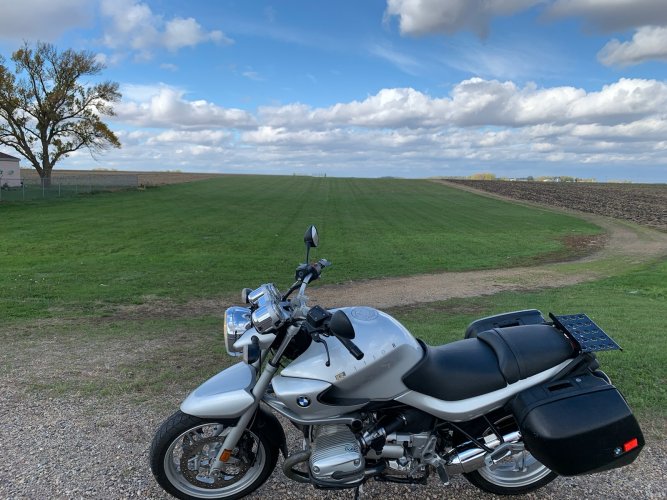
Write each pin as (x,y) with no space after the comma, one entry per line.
(352,348)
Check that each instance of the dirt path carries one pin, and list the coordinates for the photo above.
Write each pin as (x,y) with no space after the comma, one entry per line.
(627,244)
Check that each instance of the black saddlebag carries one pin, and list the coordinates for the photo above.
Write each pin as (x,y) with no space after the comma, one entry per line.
(578,425)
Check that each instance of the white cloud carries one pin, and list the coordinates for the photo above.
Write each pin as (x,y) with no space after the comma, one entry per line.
(477,103)
(163,106)
(181,33)
(133,26)
(648,42)
(192,137)
(422,17)
(43,19)
(612,15)
(481,124)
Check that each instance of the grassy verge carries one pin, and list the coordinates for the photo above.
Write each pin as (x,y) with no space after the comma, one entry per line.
(209,239)
(630,307)
(154,360)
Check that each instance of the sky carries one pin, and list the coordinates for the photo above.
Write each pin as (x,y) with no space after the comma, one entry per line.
(373,88)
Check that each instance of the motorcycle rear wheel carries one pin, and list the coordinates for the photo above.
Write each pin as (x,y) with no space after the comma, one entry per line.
(518,474)
(184,448)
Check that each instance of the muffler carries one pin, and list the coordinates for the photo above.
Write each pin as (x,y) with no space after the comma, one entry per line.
(473,458)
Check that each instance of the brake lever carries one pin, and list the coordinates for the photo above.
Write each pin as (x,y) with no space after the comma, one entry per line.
(316,338)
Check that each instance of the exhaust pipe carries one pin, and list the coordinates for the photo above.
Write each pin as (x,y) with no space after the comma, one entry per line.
(291,461)
(473,458)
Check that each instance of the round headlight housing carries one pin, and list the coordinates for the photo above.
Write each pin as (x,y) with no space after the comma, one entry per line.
(237,321)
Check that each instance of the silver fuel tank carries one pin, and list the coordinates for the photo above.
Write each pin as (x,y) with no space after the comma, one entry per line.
(389,352)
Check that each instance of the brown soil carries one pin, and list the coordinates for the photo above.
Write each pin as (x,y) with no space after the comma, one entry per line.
(644,204)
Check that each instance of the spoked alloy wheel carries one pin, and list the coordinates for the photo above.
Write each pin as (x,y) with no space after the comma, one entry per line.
(185,448)
(516,474)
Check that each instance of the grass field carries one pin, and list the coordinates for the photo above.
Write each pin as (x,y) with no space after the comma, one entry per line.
(75,257)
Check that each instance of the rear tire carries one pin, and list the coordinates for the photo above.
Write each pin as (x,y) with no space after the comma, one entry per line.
(184,447)
(517,474)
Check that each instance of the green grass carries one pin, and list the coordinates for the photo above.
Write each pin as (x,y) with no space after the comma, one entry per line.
(631,308)
(209,239)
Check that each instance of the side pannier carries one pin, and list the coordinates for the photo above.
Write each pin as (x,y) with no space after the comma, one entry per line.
(578,425)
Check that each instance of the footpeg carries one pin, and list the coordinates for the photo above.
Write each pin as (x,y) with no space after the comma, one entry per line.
(503,451)
(442,474)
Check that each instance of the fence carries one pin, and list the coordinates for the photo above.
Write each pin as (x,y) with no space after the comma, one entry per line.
(62,186)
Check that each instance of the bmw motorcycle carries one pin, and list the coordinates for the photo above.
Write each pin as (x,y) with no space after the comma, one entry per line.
(518,401)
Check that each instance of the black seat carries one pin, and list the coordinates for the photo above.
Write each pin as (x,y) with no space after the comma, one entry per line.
(523,351)
(495,358)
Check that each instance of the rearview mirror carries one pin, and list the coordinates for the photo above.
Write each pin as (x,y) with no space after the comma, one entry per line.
(311,238)
(341,326)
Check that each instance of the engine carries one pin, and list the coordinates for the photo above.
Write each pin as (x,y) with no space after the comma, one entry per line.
(336,456)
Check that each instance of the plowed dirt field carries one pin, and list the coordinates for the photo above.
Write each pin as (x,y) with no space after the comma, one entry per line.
(644,204)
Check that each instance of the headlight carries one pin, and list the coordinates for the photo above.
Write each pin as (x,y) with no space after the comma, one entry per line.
(268,316)
(237,321)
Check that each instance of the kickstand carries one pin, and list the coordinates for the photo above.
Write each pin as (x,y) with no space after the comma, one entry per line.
(358,491)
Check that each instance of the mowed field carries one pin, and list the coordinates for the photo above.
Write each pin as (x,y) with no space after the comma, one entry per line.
(211,238)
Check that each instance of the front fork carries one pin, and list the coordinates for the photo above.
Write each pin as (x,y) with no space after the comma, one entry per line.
(258,392)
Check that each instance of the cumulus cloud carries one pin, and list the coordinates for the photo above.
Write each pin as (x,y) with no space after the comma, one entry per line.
(163,106)
(479,102)
(134,26)
(479,123)
(648,43)
(422,17)
(43,19)
(647,17)
(612,15)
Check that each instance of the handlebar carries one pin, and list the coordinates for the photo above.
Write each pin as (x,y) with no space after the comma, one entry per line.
(352,348)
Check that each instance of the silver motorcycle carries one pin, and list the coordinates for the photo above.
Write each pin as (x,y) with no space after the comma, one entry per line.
(518,401)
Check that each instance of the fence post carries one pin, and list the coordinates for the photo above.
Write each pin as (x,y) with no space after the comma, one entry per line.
(23,188)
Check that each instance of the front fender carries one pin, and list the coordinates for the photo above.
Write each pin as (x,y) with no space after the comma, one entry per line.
(225,395)
(274,431)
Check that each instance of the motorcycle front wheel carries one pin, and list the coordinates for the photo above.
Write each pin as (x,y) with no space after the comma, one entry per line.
(517,474)
(185,447)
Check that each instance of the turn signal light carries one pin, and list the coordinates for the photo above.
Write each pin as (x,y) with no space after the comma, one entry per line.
(630,445)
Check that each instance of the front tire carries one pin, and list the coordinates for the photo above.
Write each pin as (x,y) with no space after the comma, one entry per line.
(185,446)
(517,474)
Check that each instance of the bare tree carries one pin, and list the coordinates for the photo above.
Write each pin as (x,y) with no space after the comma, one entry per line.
(47,112)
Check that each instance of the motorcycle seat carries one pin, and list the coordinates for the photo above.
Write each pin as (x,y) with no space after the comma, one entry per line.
(489,362)
(526,350)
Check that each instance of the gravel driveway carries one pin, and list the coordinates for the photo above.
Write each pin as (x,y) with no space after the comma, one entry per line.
(96,448)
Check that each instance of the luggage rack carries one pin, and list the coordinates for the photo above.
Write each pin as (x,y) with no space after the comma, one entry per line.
(589,336)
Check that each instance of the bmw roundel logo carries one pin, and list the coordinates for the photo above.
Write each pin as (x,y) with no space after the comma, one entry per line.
(303,401)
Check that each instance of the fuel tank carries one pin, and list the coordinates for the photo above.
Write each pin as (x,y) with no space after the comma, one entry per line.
(389,352)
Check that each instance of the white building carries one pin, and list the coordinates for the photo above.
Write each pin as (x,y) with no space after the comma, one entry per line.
(10,171)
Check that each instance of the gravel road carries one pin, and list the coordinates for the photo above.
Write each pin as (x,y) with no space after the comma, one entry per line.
(95,448)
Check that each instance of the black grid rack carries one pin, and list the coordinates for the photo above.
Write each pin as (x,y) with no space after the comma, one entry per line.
(585,332)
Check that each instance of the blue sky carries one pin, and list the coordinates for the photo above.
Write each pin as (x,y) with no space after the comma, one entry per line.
(409,88)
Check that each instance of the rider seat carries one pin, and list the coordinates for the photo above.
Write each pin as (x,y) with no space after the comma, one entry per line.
(494,359)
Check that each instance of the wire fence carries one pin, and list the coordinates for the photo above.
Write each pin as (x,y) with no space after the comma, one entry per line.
(65,186)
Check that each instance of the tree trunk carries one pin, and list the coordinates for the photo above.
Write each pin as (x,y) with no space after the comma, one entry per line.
(45,176)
